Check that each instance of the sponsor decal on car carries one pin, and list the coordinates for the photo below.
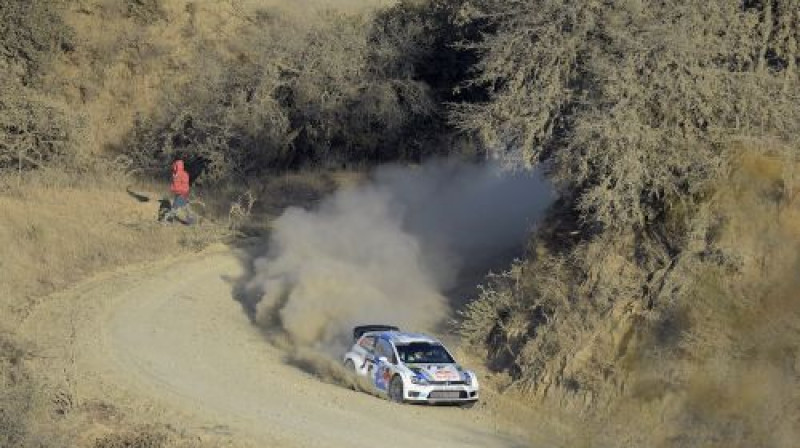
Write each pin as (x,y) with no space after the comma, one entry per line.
(439,373)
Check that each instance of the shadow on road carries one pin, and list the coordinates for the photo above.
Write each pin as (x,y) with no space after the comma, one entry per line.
(138,196)
(244,291)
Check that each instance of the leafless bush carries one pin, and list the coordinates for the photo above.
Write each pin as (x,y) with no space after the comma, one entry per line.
(145,437)
(144,11)
(240,210)
(34,131)
(344,104)
(641,124)
(638,109)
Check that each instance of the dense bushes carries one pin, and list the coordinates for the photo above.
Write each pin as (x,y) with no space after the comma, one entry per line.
(272,93)
(34,129)
(635,104)
(353,89)
(649,280)
(30,34)
(637,110)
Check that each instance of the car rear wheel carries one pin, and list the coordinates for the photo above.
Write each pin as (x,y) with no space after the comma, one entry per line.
(396,389)
(350,366)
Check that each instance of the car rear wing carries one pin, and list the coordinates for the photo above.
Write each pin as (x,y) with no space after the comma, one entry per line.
(361,329)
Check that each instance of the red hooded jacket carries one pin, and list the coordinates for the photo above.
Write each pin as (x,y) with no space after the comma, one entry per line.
(180,179)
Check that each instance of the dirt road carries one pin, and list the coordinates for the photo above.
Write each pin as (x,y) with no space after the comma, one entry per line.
(168,343)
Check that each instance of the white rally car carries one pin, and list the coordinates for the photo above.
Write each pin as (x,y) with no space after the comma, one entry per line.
(409,367)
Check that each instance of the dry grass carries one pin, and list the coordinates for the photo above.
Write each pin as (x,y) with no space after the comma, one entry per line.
(53,234)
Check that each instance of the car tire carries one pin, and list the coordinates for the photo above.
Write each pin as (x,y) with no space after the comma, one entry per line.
(396,389)
(468,404)
(350,366)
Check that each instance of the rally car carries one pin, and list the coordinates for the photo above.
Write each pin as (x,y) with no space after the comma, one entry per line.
(409,367)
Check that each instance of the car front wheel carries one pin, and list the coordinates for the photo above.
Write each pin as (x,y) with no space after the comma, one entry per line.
(396,389)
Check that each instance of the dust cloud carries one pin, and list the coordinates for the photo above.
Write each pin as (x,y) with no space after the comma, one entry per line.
(387,250)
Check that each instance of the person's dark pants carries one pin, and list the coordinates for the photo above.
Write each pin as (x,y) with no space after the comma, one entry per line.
(179,202)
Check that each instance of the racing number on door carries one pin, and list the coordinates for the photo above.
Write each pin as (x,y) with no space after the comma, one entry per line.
(383,372)
(382,376)
(367,343)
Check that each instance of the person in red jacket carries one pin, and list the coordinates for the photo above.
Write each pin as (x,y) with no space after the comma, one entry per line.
(179,187)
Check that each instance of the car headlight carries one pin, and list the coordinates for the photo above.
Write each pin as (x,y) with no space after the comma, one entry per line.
(467,378)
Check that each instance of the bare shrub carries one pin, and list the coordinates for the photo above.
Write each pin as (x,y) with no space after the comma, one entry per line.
(144,437)
(640,124)
(144,11)
(345,105)
(429,40)
(240,210)
(35,131)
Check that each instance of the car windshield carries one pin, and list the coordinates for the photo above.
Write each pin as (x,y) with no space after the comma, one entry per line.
(424,353)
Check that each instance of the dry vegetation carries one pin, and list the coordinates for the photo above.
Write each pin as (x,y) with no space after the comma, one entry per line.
(658,299)
(240,88)
(79,81)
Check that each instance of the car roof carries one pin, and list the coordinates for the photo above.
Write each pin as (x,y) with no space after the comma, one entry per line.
(402,337)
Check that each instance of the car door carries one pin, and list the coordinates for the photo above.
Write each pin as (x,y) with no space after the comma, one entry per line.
(384,360)
(367,348)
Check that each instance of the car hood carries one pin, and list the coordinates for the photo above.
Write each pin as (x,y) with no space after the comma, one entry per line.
(437,372)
